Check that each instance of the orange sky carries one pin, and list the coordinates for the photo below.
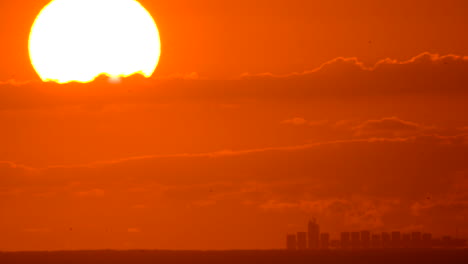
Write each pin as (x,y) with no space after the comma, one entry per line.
(227,147)
(271,36)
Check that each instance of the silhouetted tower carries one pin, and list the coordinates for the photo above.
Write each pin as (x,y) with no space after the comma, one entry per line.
(427,240)
(302,240)
(314,233)
(396,239)
(416,239)
(355,240)
(365,239)
(459,243)
(406,240)
(447,241)
(325,241)
(386,240)
(335,243)
(345,240)
(291,242)
(376,241)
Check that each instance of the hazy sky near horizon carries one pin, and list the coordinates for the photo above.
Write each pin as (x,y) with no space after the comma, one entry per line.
(258,118)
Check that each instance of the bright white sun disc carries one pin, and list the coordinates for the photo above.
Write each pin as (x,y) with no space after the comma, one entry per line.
(78,40)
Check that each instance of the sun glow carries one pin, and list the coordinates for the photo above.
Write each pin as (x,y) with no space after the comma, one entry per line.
(78,40)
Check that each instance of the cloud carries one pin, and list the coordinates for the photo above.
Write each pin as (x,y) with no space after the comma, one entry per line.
(443,207)
(341,77)
(393,177)
(178,76)
(204,203)
(91,193)
(133,230)
(11,165)
(390,126)
(387,127)
(365,158)
(37,230)
(355,212)
(299,121)
(425,59)
(254,147)
(295,121)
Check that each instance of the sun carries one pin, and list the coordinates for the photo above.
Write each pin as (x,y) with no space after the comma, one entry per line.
(78,40)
